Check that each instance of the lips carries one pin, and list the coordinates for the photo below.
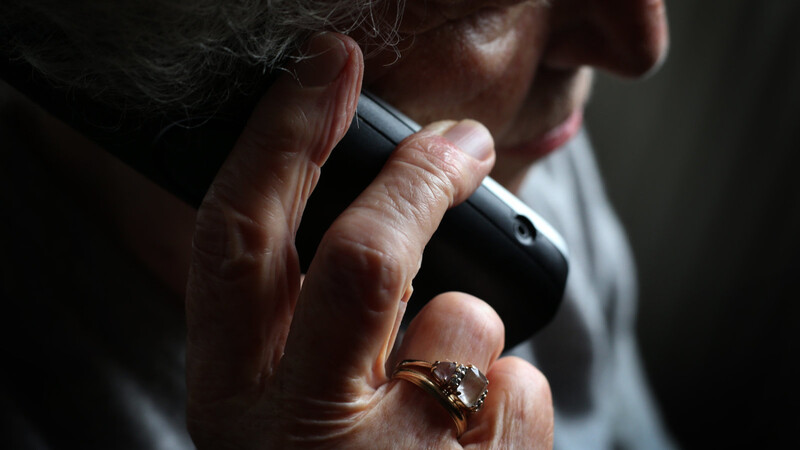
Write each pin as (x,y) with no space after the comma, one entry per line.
(551,139)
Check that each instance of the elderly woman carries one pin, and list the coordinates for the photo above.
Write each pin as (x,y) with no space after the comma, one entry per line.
(274,358)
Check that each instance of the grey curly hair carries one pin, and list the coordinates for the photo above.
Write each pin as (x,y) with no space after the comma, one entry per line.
(177,55)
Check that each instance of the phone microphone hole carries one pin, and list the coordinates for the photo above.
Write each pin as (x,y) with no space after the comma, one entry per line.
(524,230)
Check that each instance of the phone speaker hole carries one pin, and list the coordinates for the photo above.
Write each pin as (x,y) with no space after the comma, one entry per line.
(524,230)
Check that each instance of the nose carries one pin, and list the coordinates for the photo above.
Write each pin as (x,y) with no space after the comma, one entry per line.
(625,37)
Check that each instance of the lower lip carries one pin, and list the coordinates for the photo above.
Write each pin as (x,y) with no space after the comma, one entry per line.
(551,140)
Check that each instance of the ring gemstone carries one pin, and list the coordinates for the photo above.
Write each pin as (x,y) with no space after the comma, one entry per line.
(443,370)
(467,383)
(472,388)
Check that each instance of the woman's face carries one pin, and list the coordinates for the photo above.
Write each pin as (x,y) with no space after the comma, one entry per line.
(520,67)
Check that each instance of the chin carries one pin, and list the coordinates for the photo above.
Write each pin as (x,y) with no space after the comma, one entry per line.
(551,115)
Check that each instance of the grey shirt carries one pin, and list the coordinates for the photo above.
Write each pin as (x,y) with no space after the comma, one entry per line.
(589,352)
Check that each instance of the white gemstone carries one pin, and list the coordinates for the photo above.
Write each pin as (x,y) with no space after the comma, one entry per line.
(472,386)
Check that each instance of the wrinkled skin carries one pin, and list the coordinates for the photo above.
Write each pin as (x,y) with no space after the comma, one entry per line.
(275,363)
(520,68)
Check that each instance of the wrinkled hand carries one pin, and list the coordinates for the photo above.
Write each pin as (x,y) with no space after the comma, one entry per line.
(274,364)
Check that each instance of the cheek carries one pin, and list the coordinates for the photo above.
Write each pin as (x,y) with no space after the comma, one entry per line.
(480,68)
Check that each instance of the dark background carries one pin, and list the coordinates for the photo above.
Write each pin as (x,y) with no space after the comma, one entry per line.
(701,162)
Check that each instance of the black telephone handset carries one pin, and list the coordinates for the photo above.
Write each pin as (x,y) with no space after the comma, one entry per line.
(491,246)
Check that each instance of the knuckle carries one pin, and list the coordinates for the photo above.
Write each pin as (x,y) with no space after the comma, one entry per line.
(438,164)
(411,201)
(529,372)
(284,129)
(229,245)
(538,388)
(429,174)
(534,391)
(527,399)
(522,397)
(492,327)
(364,262)
(475,315)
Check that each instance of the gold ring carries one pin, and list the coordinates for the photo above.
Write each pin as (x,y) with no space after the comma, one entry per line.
(460,389)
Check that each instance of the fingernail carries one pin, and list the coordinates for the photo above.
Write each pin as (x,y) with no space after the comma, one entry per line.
(471,137)
(323,59)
